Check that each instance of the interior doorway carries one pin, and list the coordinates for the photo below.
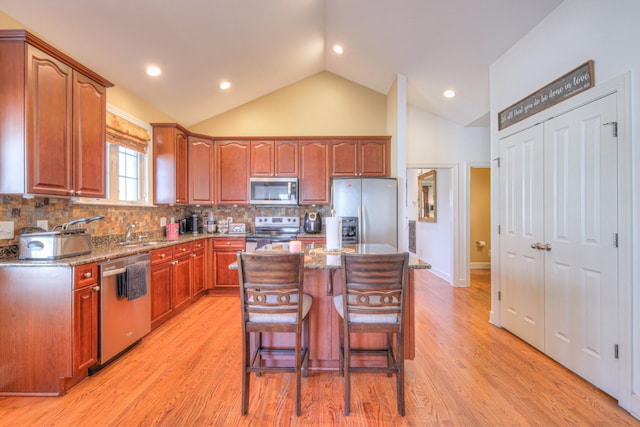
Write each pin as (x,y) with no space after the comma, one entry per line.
(480,218)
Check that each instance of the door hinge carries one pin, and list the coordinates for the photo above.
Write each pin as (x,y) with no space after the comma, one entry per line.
(499,229)
(497,159)
(499,295)
(614,127)
(615,240)
(615,351)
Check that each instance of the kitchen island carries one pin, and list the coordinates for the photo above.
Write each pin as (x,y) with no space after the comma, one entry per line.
(322,280)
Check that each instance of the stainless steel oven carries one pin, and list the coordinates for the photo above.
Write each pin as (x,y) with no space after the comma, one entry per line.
(272,229)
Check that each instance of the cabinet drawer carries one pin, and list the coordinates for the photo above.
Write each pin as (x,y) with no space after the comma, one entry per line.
(159,256)
(198,245)
(228,244)
(85,275)
(182,249)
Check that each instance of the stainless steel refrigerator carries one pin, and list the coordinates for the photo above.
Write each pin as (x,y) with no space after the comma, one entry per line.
(371,204)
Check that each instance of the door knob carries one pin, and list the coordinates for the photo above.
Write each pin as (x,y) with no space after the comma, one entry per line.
(536,245)
(546,247)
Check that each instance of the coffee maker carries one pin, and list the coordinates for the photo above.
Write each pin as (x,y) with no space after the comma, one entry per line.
(312,222)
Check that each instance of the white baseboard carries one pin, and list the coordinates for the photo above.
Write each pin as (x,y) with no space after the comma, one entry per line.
(480,265)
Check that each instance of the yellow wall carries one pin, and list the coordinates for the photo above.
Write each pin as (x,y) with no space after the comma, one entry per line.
(480,214)
(321,105)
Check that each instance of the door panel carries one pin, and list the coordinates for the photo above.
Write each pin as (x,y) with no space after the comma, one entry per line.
(521,266)
(581,282)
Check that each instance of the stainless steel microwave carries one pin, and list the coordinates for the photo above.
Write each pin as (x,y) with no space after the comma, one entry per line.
(273,191)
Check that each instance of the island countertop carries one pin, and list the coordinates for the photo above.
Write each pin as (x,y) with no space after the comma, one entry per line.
(317,257)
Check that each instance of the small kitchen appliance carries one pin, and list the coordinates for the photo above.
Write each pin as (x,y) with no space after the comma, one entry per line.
(312,222)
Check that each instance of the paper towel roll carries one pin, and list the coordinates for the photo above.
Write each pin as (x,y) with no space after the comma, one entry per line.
(333,226)
(481,243)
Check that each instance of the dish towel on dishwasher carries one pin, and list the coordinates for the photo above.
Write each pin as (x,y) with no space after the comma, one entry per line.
(132,284)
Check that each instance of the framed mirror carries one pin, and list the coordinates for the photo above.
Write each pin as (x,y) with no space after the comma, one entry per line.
(427,201)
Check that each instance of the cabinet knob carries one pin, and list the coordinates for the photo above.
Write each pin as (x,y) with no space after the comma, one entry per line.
(87,275)
(78,193)
(70,192)
(163,255)
(228,243)
(96,288)
(193,255)
(183,249)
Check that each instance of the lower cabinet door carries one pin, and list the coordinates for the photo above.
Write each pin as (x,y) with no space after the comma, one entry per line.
(85,328)
(181,281)
(225,278)
(161,278)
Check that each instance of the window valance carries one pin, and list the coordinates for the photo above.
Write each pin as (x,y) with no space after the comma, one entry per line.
(123,132)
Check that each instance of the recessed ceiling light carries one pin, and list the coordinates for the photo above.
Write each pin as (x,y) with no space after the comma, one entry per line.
(449,93)
(338,49)
(225,85)
(153,70)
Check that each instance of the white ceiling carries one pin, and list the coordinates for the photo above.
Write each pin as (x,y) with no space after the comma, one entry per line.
(264,45)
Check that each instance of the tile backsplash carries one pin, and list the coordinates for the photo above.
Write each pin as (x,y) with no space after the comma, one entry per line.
(25,212)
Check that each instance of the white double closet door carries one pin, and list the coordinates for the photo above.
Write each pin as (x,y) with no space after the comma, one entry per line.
(558,248)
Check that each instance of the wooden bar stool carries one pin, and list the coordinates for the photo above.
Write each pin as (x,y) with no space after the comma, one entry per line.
(271,300)
(373,300)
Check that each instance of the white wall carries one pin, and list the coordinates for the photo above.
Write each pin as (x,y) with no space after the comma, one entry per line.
(606,31)
(435,143)
(433,239)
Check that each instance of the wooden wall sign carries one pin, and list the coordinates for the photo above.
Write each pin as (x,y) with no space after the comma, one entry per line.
(575,81)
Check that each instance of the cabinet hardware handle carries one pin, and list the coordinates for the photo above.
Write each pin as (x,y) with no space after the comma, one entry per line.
(163,255)
(183,249)
(70,192)
(78,193)
(96,288)
(87,275)
(193,255)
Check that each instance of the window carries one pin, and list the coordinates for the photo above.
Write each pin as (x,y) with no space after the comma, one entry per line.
(128,150)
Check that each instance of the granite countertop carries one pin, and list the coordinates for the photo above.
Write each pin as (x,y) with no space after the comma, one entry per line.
(116,250)
(316,257)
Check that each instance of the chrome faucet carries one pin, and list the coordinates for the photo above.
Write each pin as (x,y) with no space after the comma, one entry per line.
(127,234)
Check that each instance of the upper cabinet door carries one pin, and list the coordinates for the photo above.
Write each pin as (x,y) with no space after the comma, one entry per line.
(232,172)
(170,159)
(89,113)
(374,157)
(201,169)
(49,125)
(262,158)
(182,167)
(314,173)
(286,158)
(344,158)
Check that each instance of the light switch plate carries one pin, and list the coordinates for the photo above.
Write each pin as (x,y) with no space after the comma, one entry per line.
(163,221)
(6,230)
(43,223)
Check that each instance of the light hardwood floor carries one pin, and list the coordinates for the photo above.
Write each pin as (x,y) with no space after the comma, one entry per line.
(466,373)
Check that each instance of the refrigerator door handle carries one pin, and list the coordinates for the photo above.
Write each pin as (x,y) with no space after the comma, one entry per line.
(363,238)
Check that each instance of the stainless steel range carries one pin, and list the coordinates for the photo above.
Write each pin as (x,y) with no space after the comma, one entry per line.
(272,229)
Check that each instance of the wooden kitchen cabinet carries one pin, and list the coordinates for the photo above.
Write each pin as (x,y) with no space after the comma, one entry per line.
(181,276)
(277,158)
(201,170)
(307,240)
(198,268)
(232,172)
(170,160)
(223,254)
(56,108)
(161,286)
(314,173)
(360,158)
(85,318)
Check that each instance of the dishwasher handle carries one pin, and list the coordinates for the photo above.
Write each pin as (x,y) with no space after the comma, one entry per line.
(113,272)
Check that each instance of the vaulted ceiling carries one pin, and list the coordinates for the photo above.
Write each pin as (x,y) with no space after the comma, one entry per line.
(261,46)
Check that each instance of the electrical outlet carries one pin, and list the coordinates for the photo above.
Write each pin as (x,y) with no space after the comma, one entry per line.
(6,230)
(163,221)
(43,223)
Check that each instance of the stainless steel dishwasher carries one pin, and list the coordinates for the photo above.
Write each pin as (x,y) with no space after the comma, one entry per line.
(123,322)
